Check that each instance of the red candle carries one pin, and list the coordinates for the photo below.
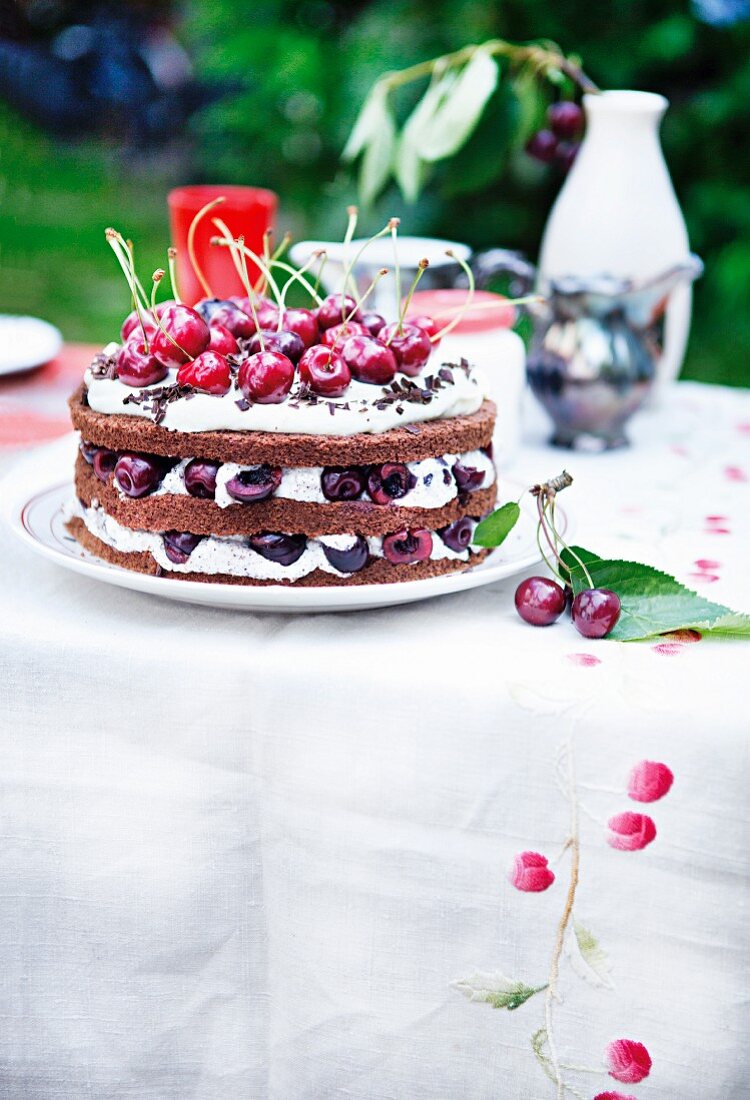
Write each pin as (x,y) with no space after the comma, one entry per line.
(246,210)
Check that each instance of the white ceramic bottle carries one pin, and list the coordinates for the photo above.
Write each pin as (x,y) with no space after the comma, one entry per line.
(617,212)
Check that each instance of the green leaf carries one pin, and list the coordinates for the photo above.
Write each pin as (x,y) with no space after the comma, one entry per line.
(495,989)
(453,122)
(368,122)
(409,168)
(588,958)
(495,528)
(652,602)
(377,160)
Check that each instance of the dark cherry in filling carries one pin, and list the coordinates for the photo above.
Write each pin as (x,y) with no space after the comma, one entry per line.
(457,535)
(467,478)
(139,474)
(390,482)
(200,478)
(104,462)
(352,559)
(283,549)
(406,547)
(254,484)
(343,483)
(179,545)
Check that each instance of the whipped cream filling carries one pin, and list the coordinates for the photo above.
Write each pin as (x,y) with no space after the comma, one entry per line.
(231,554)
(435,484)
(351,414)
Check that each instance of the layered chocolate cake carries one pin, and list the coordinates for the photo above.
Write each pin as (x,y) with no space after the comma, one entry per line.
(248,443)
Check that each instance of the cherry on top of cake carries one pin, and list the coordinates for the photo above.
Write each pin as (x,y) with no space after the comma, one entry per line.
(258,348)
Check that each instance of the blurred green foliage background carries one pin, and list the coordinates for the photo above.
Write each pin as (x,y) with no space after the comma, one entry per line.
(300,71)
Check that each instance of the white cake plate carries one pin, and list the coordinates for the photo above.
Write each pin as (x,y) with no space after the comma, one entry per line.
(34,510)
(26,343)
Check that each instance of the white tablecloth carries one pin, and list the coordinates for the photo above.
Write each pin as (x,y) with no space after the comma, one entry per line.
(248,856)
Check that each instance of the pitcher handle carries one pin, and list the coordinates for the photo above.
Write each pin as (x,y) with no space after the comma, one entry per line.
(503,261)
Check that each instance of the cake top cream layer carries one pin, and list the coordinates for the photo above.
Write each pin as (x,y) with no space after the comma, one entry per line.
(440,391)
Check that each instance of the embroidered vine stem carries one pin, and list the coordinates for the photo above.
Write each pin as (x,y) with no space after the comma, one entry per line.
(551,994)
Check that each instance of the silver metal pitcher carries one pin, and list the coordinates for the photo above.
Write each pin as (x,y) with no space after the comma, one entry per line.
(595,347)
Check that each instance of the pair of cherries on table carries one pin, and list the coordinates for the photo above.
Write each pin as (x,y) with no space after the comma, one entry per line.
(329,346)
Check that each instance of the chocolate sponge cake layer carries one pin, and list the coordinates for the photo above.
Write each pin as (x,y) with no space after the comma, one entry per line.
(378,571)
(172,512)
(118,432)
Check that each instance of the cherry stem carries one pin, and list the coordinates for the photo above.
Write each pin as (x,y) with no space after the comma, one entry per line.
(353,261)
(498,303)
(542,529)
(171,264)
(319,276)
(300,279)
(353,214)
(295,277)
(570,550)
(271,258)
(233,252)
(469,297)
(191,242)
(421,268)
(358,305)
(241,262)
(121,251)
(393,226)
(131,259)
(157,277)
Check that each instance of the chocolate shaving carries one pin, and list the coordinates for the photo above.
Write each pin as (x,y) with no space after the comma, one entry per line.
(104,366)
(413,428)
(243,404)
(156,401)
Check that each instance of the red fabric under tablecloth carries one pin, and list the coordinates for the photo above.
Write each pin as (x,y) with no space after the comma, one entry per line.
(33,405)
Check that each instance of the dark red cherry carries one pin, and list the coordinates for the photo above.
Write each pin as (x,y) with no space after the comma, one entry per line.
(373,322)
(428,325)
(179,545)
(209,373)
(228,314)
(139,474)
(542,146)
(266,377)
(88,450)
(325,371)
(343,483)
(131,326)
(254,484)
(370,360)
(283,549)
(595,612)
(304,323)
(467,478)
(337,335)
(332,311)
(409,344)
(390,482)
(222,341)
(406,547)
(200,478)
(457,535)
(567,151)
(565,119)
(540,601)
(288,343)
(188,336)
(135,366)
(266,311)
(351,560)
(131,322)
(104,462)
